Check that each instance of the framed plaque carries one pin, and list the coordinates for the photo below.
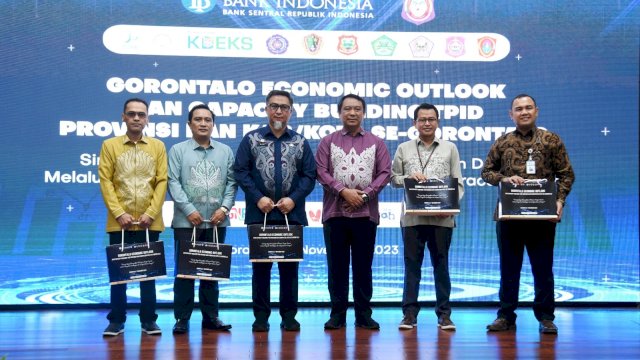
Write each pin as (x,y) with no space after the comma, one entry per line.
(534,200)
(275,243)
(431,197)
(204,260)
(136,262)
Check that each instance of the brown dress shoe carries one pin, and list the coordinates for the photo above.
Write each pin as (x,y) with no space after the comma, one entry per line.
(501,324)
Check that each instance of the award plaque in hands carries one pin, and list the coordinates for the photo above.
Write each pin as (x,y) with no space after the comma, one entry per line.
(135,262)
(204,260)
(275,243)
(533,200)
(431,197)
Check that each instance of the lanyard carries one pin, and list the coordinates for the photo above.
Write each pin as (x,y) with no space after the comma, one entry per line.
(435,144)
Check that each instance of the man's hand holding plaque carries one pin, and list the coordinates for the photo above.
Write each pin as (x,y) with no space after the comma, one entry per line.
(533,199)
(431,197)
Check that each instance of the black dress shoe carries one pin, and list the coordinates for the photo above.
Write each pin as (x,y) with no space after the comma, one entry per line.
(368,323)
(150,328)
(290,325)
(547,327)
(181,326)
(334,323)
(260,326)
(216,324)
(114,329)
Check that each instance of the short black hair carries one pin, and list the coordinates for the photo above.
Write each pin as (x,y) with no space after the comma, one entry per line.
(279,93)
(124,108)
(519,96)
(201,106)
(352,96)
(425,106)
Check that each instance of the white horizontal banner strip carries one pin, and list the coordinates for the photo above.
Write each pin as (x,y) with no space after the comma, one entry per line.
(305,44)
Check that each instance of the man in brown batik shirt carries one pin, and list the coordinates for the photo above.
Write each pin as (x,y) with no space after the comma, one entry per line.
(507,162)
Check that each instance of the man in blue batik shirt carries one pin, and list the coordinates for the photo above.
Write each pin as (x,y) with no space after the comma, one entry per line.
(203,187)
(276,169)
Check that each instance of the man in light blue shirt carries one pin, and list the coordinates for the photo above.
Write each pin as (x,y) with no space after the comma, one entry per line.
(203,187)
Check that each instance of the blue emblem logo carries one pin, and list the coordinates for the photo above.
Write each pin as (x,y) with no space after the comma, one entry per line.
(277,44)
(199,6)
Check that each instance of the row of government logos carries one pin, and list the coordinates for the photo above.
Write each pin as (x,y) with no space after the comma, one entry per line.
(303,44)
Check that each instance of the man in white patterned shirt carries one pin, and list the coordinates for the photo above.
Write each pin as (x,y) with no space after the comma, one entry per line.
(203,187)
(421,159)
(353,167)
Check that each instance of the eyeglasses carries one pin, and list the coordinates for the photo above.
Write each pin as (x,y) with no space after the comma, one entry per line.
(283,107)
(132,114)
(424,120)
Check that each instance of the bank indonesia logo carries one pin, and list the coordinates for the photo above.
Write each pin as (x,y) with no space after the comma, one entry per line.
(312,43)
(348,44)
(418,11)
(487,46)
(199,6)
(421,47)
(277,44)
(384,46)
(455,46)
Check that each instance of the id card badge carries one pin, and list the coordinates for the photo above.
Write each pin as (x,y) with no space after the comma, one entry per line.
(531,167)
(531,164)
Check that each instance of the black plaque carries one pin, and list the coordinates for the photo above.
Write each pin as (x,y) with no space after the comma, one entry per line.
(275,243)
(431,197)
(204,260)
(136,262)
(534,200)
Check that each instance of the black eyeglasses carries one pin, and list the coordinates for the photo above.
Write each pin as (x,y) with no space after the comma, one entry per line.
(424,120)
(132,114)
(283,107)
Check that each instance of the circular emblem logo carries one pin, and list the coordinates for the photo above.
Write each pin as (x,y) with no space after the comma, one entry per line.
(277,44)
(199,6)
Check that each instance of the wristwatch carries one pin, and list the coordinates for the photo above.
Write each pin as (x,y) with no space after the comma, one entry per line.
(224,210)
(365,197)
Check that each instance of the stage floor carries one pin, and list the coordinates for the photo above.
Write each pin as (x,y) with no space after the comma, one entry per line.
(584,333)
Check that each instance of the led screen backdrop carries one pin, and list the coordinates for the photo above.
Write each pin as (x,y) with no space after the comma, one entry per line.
(66,68)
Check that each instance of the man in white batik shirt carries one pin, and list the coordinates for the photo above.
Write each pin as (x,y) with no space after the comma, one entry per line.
(353,167)
(203,187)
(426,158)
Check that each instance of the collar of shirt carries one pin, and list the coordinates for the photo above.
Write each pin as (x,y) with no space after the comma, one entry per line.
(360,132)
(435,141)
(196,146)
(125,140)
(266,131)
(529,133)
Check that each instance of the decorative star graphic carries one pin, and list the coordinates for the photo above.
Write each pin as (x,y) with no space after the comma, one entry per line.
(70,47)
(518,57)
(155,64)
(605,131)
(70,208)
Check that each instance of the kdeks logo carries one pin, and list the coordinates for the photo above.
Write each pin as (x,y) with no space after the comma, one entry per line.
(199,6)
